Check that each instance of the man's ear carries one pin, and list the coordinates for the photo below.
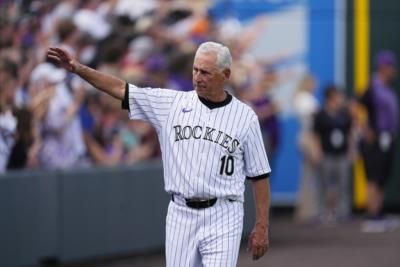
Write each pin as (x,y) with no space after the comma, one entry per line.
(227,73)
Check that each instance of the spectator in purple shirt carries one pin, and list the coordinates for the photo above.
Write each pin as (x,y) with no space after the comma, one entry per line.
(377,146)
(260,98)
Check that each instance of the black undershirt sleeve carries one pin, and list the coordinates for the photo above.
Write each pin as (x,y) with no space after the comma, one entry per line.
(125,101)
(259,177)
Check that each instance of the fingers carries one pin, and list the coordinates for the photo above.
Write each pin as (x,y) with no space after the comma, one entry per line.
(55,52)
(257,247)
(54,58)
(258,251)
(62,54)
(61,58)
(250,242)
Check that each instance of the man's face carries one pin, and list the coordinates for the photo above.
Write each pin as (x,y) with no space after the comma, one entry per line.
(389,71)
(338,100)
(392,72)
(208,80)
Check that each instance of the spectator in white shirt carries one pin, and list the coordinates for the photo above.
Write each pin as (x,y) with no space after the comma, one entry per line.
(60,129)
(8,123)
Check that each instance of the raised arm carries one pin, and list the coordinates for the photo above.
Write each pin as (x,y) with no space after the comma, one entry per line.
(102,81)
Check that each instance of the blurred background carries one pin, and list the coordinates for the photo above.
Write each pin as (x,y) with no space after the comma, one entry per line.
(81,184)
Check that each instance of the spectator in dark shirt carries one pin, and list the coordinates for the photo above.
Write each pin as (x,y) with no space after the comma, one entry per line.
(332,129)
(378,139)
(20,152)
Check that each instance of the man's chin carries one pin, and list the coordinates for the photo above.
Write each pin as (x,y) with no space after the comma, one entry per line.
(200,91)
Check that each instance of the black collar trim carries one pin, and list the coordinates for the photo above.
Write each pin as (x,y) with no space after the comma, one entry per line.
(212,104)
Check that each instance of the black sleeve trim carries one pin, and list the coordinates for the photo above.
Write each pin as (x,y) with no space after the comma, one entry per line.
(259,177)
(125,101)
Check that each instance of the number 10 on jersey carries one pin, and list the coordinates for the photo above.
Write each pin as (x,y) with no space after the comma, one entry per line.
(227,165)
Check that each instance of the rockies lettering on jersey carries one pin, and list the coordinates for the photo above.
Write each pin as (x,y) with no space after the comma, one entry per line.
(206,152)
(209,134)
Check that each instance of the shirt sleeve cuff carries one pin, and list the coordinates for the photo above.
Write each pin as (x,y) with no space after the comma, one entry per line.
(125,101)
(259,177)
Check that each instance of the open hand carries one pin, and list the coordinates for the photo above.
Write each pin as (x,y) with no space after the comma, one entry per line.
(62,58)
(258,241)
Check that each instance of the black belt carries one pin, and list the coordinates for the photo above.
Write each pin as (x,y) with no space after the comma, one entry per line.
(198,203)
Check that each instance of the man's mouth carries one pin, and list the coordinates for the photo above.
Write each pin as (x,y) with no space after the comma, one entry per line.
(200,86)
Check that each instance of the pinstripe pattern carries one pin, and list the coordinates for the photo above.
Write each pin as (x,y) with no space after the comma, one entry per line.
(206,153)
(208,237)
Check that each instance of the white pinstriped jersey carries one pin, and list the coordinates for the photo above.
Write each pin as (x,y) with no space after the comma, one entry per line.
(206,152)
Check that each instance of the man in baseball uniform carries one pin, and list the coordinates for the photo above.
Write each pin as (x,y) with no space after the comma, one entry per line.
(211,142)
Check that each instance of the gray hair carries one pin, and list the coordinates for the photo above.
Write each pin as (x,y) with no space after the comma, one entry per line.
(224,58)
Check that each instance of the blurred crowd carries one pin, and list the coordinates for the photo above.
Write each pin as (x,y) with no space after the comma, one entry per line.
(339,131)
(52,119)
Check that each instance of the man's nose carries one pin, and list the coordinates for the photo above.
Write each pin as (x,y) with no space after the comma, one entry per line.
(197,77)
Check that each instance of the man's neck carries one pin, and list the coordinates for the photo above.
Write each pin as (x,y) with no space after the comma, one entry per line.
(216,97)
(216,104)
(331,110)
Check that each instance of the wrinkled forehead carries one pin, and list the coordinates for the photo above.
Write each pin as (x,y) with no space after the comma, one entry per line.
(206,59)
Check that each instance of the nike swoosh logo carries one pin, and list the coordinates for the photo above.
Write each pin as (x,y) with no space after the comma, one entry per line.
(184,110)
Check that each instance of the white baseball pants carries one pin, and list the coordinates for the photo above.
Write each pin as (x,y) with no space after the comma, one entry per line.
(203,237)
